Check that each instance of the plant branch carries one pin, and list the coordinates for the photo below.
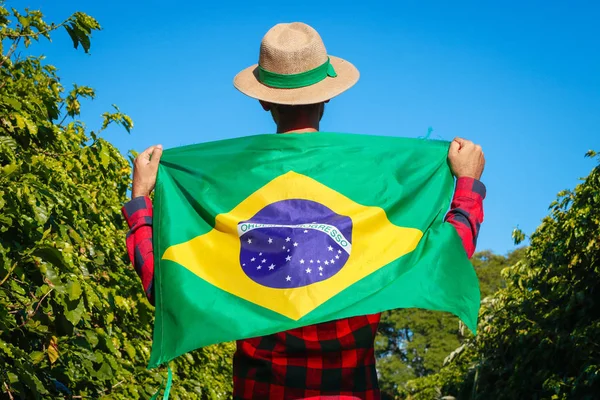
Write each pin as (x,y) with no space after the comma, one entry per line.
(33,34)
(36,308)
(8,273)
(64,118)
(52,28)
(8,391)
(114,386)
(10,51)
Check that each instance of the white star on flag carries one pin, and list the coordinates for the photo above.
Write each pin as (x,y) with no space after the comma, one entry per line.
(249,241)
(306,231)
(308,270)
(264,260)
(320,273)
(330,248)
(320,268)
(301,261)
(252,259)
(326,262)
(318,261)
(288,278)
(339,251)
(338,257)
(259,267)
(271,267)
(270,240)
(332,261)
(283,247)
(311,261)
(287,239)
(288,258)
(260,254)
(295,244)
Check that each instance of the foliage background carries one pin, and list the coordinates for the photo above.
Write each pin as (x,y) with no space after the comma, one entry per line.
(74,322)
(413,343)
(539,334)
(73,317)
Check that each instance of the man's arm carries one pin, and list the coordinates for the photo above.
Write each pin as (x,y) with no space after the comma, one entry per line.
(138,214)
(466,211)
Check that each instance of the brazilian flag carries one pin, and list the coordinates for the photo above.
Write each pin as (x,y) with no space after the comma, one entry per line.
(266,233)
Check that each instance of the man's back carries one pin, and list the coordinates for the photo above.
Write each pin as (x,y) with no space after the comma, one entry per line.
(332,358)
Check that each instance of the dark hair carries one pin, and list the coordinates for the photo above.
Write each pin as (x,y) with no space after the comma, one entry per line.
(285,109)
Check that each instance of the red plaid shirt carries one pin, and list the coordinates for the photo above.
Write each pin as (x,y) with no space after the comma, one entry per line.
(333,360)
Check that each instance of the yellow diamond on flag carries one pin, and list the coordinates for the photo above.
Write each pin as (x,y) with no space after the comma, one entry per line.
(294,244)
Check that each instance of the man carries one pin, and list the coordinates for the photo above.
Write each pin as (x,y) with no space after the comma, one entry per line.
(293,80)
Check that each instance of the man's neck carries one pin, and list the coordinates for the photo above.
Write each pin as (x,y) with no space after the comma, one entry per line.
(303,130)
(299,126)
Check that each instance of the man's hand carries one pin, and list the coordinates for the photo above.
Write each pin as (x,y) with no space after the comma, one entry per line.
(145,168)
(466,159)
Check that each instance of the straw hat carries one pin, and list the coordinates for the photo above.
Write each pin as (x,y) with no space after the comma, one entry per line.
(294,68)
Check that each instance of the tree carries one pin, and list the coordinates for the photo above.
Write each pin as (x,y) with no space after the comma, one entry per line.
(73,317)
(538,336)
(413,343)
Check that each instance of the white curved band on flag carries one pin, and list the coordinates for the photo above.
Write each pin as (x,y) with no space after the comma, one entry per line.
(329,230)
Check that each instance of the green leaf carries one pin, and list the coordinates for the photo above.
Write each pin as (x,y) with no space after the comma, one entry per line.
(92,297)
(74,315)
(104,156)
(41,213)
(16,288)
(24,21)
(11,101)
(73,35)
(37,356)
(92,338)
(74,290)
(51,255)
(33,129)
(20,121)
(104,373)
(40,291)
(518,236)
(9,142)
(6,220)
(12,378)
(110,345)
(130,350)
(23,121)
(9,169)
(5,348)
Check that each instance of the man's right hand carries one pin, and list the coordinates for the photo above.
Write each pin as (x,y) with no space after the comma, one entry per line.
(145,168)
(466,159)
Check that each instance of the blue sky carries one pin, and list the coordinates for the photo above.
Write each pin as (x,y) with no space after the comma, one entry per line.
(520,78)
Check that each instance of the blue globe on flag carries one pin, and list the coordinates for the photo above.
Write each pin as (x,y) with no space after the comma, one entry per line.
(294,243)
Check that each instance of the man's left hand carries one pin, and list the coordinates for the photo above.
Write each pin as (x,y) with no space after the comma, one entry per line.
(145,168)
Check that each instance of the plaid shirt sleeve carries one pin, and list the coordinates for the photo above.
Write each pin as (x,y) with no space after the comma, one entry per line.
(466,211)
(138,214)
